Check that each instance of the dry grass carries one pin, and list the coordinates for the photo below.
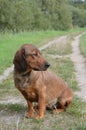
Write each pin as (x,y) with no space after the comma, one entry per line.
(62,48)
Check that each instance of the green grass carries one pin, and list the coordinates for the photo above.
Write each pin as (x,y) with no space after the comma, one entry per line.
(64,68)
(8,87)
(9,43)
(83,45)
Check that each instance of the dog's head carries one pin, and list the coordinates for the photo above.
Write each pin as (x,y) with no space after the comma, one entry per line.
(28,57)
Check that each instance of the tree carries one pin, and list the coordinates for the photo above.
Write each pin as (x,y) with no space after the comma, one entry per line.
(17,15)
(5,14)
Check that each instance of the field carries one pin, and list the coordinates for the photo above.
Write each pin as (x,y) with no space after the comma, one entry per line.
(12,115)
(10,42)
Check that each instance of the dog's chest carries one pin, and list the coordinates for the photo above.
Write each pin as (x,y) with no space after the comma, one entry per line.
(26,85)
(23,82)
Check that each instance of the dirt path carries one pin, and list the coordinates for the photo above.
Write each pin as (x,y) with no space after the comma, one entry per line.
(80,68)
(5,74)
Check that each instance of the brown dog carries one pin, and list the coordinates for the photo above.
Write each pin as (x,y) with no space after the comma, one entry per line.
(38,85)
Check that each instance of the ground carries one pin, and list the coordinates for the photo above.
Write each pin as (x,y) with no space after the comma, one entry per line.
(66,60)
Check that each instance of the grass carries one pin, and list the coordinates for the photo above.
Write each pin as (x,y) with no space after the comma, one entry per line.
(10,42)
(62,48)
(64,68)
(8,87)
(72,119)
(83,45)
(12,115)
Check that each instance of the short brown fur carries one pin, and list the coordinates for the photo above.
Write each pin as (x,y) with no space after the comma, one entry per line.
(38,85)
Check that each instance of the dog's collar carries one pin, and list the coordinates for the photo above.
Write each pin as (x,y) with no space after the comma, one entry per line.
(26,74)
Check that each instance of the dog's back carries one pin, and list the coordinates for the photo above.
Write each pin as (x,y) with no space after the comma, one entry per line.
(56,89)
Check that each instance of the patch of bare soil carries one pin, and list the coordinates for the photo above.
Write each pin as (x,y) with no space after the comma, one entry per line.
(5,74)
(55,41)
(80,68)
(9,118)
(13,100)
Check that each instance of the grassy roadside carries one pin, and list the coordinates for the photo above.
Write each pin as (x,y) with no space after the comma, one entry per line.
(10,42)
(12,115)
(63,48)
(83,45)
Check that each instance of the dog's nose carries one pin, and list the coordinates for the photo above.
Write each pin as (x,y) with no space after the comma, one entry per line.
(47,64)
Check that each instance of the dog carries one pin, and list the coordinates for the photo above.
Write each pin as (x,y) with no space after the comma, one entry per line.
(37,84)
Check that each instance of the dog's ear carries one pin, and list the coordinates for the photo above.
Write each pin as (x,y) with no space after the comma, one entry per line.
(19,60)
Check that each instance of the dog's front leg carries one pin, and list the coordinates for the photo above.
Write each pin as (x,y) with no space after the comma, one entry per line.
(30,112)
(41,105)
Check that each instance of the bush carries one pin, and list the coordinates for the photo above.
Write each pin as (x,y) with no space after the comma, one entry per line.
(78,17)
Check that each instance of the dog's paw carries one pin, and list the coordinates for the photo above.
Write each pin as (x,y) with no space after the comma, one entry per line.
(38,117)
(29,114)
(57,111)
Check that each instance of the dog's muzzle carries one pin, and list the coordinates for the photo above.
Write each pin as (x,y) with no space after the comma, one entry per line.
(47,65)
(42,68)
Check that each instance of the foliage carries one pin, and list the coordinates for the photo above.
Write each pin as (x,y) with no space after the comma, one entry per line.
(78,17)
(20,15)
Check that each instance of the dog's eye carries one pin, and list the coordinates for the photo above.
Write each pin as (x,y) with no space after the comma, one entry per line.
(35,54)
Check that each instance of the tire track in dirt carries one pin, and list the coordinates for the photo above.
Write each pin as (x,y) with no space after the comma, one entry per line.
(80,67)
(6,73)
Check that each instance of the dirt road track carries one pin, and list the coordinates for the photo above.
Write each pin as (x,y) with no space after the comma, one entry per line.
(80,67)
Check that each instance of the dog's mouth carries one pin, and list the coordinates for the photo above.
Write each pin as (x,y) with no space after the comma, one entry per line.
(42,68)
(36,69)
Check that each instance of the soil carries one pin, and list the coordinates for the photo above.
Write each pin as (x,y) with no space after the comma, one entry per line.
(80,67)
(5,74)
